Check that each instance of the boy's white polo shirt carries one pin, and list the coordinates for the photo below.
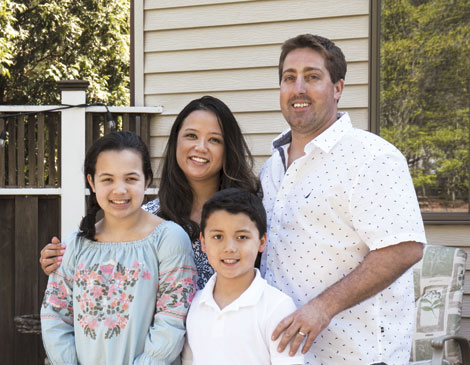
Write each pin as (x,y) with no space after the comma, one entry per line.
(241,332)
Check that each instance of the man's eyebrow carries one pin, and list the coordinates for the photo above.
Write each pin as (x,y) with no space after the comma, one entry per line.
(288,70)
(313,69)
(305,69)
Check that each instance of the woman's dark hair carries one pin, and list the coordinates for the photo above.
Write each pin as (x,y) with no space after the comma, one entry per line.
(116,141)
(175,193)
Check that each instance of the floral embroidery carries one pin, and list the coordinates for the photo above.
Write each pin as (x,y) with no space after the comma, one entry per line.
(173,294)
(104,298)
(56,296)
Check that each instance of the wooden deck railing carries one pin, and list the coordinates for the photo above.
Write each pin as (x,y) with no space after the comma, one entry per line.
(97,126)
(31,157)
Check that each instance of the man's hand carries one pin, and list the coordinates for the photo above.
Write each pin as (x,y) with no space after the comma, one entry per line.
(51,256)
(305,323)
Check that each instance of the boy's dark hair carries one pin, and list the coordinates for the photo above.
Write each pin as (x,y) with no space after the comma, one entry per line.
(335,61)
(234,201)
(116,141)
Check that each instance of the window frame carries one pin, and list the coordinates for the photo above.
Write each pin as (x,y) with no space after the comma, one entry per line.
(374,107)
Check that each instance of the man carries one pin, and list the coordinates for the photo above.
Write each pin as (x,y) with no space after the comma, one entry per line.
(344,225)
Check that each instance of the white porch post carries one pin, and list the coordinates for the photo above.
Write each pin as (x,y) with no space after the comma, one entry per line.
(73,155)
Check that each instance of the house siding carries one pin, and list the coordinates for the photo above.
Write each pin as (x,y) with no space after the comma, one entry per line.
(230,49)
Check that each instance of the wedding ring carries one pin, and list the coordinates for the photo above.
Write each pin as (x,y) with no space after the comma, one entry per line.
(302,334)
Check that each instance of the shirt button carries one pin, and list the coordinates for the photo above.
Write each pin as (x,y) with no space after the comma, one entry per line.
(273,229)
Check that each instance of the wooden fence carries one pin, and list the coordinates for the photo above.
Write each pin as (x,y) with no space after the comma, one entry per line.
(26,223)
(31,156)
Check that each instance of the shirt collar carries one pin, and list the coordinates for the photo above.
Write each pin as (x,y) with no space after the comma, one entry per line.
(248,298)
(325,141)
(206,292)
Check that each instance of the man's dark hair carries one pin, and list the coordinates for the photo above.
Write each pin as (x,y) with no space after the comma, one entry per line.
(335,61)
(235,201)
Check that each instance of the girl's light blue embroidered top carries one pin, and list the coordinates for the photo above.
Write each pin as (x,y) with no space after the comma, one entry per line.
(120,302)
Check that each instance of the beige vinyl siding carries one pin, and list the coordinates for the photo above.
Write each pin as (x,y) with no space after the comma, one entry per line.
(235,57)
(230,49)
(253,34)
(161,18)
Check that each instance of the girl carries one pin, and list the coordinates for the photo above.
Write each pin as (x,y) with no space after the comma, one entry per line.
(122,291)
(206,152)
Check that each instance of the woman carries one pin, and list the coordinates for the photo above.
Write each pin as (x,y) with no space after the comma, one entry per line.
(206,152)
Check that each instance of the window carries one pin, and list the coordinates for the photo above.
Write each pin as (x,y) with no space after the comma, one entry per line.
(420,97)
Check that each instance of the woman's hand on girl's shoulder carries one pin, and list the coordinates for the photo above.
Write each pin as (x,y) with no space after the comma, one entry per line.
(51,256)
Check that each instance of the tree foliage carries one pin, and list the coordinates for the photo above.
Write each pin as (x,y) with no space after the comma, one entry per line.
(425,93)
(7,33)
(48,41)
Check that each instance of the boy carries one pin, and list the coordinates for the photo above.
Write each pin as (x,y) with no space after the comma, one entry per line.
(232,319)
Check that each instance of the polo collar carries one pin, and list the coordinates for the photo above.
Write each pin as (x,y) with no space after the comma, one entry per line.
(248,298)
(325,141)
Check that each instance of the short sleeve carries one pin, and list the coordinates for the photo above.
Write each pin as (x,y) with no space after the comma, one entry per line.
(383,203)
(285,307)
